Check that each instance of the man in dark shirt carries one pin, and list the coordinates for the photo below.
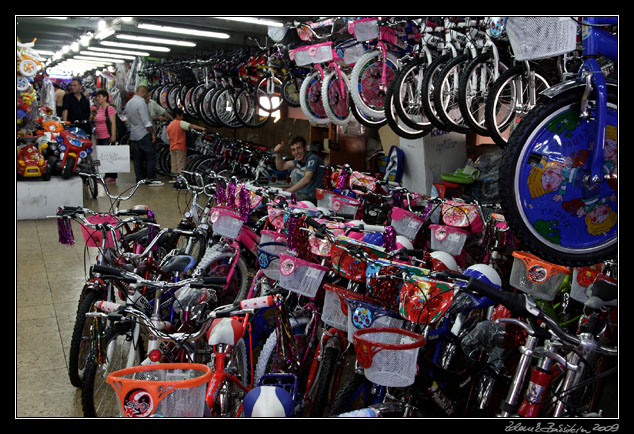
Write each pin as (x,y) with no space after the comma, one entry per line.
(308,170)
(75,106)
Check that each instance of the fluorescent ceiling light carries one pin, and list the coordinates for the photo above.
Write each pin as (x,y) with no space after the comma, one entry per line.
(56,18)
(183,31)
(157,40)
(45,53)
(135,46)
(98,59)
(118,51)
(109,55)
(254,20)
(103,34)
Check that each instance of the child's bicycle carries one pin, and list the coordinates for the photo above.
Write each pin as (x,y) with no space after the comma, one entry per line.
(561,161)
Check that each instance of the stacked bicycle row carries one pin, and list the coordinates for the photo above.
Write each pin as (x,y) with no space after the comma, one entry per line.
(255,303)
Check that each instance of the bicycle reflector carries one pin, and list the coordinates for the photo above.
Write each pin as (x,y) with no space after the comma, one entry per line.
(155,355)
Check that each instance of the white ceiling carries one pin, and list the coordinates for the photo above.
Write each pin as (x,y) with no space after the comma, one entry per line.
(53,34)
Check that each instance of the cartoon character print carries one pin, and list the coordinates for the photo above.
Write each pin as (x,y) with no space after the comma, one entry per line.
(556,177)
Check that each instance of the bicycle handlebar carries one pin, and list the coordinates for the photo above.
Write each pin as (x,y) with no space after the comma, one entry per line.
(520,305)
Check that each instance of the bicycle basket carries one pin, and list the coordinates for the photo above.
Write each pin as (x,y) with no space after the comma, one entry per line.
(317,53)
(341,205)
(535,276)
(348,265)
(388,355)
(406,223)
(272,245)
(364,29)
(226,222)
(462,215)
(164,389)
(448,239)
(93,237)
(541,37)
(424,300)
(299,276)
(276,217)
(583,277)
(323,246)
(335,311)
(363,314)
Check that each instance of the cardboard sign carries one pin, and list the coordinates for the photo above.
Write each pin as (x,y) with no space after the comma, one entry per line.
(113,159)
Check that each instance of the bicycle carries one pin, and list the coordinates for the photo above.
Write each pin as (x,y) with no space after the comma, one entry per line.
(562,200)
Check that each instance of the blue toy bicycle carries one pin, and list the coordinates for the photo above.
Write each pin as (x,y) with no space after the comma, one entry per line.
(561,161)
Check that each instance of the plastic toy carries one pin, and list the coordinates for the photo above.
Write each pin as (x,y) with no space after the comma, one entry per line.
(30,162)
(26,59)
(74,147)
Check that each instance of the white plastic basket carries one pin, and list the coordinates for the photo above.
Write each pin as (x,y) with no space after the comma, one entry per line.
(535,276)
(406,223)
(362,314)
(335,311)
(388,355)
(226,222)
(317,53)
(299,276)
(365,29)
(541,37)
(448,239)
(164,389)
(272,245)
(341,205)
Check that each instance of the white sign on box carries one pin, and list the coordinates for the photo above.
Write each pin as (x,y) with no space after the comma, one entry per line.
(113,159)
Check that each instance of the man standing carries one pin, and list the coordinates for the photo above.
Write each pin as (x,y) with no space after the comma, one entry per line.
(142,137)
(75,106)
(308,170)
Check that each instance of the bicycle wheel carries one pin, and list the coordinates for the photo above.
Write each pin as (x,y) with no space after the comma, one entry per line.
(408,100)
(545,200)
(503,106)
(358,392)
(206,108)
(366,120)
(446,94)
(335,100)
(220,266)
(310,99)
(269,91)
(476,79)
(223,104)
(290,90)
(80,340)
(427,90)
(98,398)
(394,121)
(271,360)
(248,112)
(318,402)
(366,89)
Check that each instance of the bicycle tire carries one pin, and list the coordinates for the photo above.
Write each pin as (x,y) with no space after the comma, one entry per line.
(248,112)
(290,90)
(427,90)
(310,99)
(394,121)
(472,100)
(223,103)
(446,94)
(358,392)
(408,94)
(80,340)
(336,105)
(98,398)
(318,403)
(496,121)
(365,86)
(261,89)
(552,231)
(268,349)
(366,120)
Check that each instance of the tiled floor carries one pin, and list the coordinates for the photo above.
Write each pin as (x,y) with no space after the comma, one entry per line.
(49,278)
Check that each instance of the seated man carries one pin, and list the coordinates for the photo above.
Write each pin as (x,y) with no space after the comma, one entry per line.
(308,170)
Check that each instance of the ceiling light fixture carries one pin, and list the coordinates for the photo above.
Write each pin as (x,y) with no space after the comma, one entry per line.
(156,40)
(135,46)
(254,20)
(183,31)
(108,55)
(98,59)
(118,51)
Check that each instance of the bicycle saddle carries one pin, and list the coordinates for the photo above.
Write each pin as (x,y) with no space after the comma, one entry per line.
(179,264)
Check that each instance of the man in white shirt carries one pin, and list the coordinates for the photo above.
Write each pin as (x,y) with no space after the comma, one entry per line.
(142,137)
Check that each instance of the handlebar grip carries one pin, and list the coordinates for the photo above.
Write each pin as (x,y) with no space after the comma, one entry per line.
(212,280)
(314,223)
(108,306)
(104,269)
(257,302)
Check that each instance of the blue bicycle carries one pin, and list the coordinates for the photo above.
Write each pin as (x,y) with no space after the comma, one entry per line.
(561,161)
